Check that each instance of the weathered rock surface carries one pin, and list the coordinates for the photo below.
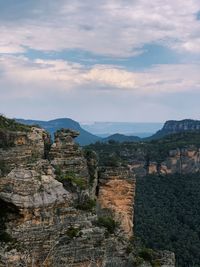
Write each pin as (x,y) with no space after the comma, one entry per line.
(40,222)
(116,194)
(24,148)
(172,126)
(182,161)
(180,126)
(67,156)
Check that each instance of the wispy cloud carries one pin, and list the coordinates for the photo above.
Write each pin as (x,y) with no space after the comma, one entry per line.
(64,76)
(116,28)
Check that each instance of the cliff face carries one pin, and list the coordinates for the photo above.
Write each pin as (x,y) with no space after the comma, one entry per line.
(171,127)
(45,220)
(21,148)
(48,215)
(180,160)
(116,196)
(180,126)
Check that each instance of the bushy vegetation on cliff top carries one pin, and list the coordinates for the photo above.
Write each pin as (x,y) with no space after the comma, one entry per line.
(7,127)
(114,153)
(167,208)
(12,125)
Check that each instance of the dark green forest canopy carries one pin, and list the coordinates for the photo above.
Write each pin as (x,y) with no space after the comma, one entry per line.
(167,215)
(156,150)
(167,208)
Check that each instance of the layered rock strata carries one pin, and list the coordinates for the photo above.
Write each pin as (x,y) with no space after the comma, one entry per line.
(116,195)
(47,216)
(40,222)
(180,160)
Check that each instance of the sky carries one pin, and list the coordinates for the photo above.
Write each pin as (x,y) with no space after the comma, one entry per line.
(100,60)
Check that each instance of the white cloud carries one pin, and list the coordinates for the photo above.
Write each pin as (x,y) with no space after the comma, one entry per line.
(116,28)
(111,76)
(32,77)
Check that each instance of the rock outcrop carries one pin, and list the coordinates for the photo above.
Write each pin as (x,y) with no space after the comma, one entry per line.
(178,161)
(44,221)
(116,196)
(50,201)
(172,127)
(22,147)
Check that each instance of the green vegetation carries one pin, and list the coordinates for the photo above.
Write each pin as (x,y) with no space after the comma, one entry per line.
(47,148)
(72,232)
(138,261)
(156,263)
(7,127)
(146,254)
(116,154)
(70,179)
(5,237)
(6,210)
(92,163)
(12,125)
(87,205)
(3,168)
(167,208)
(108,223)
(141,254)
(167,215)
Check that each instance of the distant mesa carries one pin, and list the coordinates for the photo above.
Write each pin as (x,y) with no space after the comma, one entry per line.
(174,127)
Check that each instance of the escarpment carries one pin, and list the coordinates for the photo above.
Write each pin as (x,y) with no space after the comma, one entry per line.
(57,208)
(180,160)
(174,154)
(48,206)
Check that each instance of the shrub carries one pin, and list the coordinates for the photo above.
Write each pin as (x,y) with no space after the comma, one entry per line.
(71,178)
(12,125)
(156,263)
(87,205)
(146,254)
(5,237)
(129,248)
(108,223)
(138,261)
(3,168)
(73,232)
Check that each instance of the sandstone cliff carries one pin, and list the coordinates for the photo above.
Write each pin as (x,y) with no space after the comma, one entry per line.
(44,219)
(54,208)
(116,196)
(180,160)
(172,127)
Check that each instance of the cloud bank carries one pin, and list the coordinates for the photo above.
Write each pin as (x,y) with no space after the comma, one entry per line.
(114,28)
(39,79)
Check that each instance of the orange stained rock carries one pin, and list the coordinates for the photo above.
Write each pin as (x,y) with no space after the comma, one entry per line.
(118,196)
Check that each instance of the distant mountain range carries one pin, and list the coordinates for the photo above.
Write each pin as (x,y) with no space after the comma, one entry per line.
(86,138)
(105,129)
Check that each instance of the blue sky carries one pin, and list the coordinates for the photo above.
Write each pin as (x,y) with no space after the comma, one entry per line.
(116,60)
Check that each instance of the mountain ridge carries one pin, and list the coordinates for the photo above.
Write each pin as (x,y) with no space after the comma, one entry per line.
(176,126)
(52,126)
